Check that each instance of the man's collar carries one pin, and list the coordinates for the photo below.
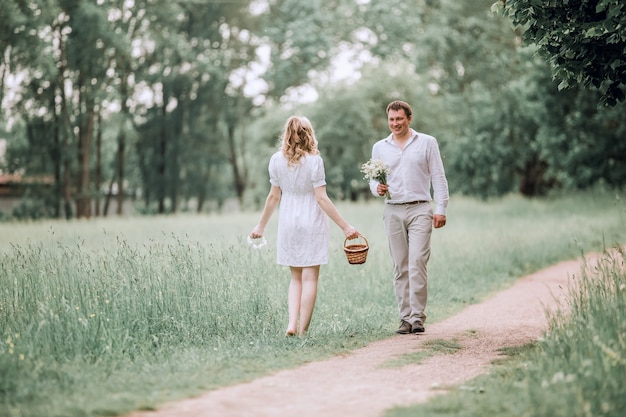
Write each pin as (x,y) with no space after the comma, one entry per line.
(414,136)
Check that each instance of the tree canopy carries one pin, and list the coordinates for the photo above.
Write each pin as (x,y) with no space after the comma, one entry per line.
(584,40)
(179,106)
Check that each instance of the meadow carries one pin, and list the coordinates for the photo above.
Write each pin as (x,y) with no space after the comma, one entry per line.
(102,317)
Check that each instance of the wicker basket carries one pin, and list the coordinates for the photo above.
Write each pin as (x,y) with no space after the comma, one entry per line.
(356,252)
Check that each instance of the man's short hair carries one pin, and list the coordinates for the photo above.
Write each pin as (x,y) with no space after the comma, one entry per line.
(400,105)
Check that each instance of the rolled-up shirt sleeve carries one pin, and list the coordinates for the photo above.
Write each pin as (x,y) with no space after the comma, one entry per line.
(438,179)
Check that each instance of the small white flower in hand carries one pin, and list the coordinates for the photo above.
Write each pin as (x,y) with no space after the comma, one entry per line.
(257,243)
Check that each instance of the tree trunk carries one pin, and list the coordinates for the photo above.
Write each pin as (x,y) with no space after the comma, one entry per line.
(239,179)
(98,173)
(121,151)
(4,69)
(533,182)
(161,160)
(65,130)
(121,145)
(202,192)
(83,198)
(107,199)
(58,163)
(67,190)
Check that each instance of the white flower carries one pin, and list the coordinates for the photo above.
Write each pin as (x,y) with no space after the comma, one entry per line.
(258,244)
(375,169)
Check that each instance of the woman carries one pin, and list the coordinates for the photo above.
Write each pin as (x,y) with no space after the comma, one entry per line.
(298,182)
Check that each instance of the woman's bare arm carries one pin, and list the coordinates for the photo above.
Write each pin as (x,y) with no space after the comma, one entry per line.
(331,211)
(272,200)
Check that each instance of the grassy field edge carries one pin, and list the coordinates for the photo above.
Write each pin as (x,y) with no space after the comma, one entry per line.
(101,318)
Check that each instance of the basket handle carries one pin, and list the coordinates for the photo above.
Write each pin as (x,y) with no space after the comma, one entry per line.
(360,236)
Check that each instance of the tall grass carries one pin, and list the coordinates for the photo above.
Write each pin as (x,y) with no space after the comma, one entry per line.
(100,318)
(578,370)
(582,362)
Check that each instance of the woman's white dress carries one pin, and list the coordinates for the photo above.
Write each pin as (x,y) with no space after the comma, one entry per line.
(302,238)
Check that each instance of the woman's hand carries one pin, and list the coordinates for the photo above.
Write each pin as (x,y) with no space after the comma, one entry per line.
(257,232)
(351,232)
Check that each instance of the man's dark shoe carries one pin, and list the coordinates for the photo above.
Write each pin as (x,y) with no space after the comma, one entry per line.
(405,327)
(418,327)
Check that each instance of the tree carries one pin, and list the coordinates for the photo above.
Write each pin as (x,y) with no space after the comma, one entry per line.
(531,138)
(65,51)
(583,40)
(194,123)
(300,35)
(33,37)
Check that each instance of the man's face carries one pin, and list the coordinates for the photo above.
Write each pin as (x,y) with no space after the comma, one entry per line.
(398,122)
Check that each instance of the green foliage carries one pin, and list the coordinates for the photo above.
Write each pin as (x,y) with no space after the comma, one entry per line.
(153,95)
(348,119)
(301,35)
(149,68)
(584,41)
(531,138)
(32,208)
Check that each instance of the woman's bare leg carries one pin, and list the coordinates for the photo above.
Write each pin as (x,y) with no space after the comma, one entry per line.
(295,293)
(309,277)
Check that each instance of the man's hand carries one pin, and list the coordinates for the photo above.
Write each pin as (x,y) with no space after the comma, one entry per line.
(439,220)
(381,189)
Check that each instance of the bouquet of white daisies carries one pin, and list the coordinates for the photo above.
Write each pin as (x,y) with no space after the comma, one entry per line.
(375,169)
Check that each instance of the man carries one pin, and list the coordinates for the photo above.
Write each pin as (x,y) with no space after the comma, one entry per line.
(414,164)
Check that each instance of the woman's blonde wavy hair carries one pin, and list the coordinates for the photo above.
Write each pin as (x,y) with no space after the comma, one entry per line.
(298,139)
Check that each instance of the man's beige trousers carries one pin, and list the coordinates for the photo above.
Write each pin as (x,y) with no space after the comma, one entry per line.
(408,229)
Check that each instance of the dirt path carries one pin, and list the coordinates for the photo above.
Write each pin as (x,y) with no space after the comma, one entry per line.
(357,385)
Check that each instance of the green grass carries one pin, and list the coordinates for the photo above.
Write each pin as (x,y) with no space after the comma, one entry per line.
(106,316)
(577,370)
